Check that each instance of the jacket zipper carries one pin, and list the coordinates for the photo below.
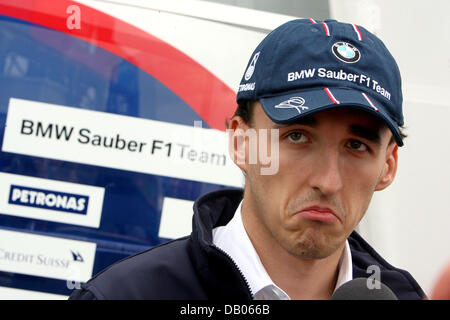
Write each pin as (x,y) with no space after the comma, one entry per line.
(237,268)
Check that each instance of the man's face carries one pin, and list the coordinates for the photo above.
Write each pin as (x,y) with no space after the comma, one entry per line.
(330,163)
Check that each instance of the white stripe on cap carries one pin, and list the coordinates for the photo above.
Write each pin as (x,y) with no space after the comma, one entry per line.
(331,96)
(370,102)
(358,33)
(312,20)
(327,30)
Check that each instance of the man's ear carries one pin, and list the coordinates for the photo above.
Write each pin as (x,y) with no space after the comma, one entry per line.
(390,167)
(237,142)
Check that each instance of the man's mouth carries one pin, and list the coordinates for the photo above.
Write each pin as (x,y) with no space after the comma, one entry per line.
(318,213)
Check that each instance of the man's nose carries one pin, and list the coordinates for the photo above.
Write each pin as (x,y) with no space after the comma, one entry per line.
(326,174)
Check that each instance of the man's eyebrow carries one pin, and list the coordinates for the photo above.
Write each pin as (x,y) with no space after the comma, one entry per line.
(368,133)
(306,121)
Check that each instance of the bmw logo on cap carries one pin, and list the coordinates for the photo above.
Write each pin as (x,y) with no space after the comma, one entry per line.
(346,52)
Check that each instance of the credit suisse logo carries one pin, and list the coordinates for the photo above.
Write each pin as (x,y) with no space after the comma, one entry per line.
(45,256)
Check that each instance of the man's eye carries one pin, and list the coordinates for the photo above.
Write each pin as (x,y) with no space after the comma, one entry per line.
(297,137)
(357,145)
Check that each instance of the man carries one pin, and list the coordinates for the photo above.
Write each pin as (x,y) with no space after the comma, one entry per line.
(324,99)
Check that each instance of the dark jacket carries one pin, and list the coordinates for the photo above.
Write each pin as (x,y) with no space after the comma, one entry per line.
(193,268)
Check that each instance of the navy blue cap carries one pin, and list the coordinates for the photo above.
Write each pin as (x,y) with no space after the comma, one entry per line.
(305,66)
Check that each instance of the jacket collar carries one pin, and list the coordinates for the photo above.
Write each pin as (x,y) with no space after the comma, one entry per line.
(220,276)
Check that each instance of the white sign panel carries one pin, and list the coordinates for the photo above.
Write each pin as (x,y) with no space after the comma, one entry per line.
(50,200)
(121,142)
(46,256)
(176,218)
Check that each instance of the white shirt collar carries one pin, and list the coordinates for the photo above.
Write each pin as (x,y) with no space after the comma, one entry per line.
(245,256)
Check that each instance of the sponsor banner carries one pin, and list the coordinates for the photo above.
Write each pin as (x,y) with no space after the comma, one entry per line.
(176,218)
(51,200)
(45,256)
(120,142)
(48,199)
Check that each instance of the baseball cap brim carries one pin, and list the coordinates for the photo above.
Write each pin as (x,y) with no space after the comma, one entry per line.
(288,107)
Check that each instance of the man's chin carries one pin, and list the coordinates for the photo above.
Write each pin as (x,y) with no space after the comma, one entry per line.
(314,245)
(311,253)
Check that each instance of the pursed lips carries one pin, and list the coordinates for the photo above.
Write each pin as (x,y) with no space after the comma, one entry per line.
(319,211)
